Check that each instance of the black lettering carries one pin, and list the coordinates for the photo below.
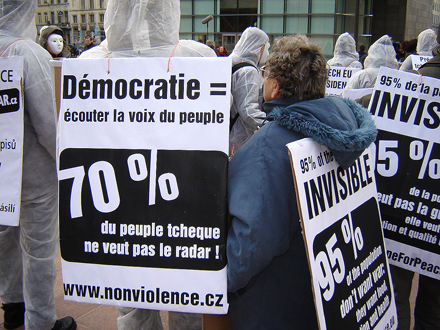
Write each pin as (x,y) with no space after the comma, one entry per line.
(219,300)
(69,87)
(317,195)
(120,89)
(433,108)
(193,85)
(100,85)
(135,94)
(162,91)
(376,97)
(405,112)
(386,104)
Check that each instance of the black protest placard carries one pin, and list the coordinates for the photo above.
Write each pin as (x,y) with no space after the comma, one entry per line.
(343,237)
(406,107)
(143,156)
(11,139)
(178,223)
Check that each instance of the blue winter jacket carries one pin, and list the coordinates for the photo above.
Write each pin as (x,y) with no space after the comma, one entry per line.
(268,275)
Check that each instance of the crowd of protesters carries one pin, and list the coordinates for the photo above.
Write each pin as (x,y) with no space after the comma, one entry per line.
(269,281)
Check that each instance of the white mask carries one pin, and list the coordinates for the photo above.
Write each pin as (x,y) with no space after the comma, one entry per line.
(55,44)
(264,55)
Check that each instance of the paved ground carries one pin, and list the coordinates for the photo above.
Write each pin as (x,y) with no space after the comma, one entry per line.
(87,316)
(98,317)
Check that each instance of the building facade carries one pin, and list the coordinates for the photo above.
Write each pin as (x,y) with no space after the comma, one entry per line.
(77,18)
(321,20)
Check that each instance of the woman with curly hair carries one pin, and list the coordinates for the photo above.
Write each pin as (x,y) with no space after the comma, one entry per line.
(268,275)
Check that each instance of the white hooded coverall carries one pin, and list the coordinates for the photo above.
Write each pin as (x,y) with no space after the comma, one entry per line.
(147,28)
(345,53)
(380,53)
(27,271)
(246,86)
(426,41)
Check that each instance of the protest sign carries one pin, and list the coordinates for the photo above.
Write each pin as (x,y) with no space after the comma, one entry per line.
(143,156)
(342,232)
(405,107)
(419,60)
(337,79)
(11,139)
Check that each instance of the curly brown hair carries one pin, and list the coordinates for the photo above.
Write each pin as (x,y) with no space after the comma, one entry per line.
(299,67)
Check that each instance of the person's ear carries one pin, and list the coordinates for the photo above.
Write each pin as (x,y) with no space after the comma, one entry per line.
(275,91)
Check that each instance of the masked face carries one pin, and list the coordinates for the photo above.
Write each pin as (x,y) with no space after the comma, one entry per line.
(264,53)
(55,44)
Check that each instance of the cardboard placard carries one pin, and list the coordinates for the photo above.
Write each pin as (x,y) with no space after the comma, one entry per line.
(143,154)
(342,232)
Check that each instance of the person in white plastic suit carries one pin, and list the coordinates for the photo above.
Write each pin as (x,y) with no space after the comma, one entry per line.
(426,41)
(253,48)
(147,28)
(345,53)
(27,252)
(380,53)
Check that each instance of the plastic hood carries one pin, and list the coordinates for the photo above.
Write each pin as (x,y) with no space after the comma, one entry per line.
(346,46)
(381,53)
(426,41)
(249,46)
(17,18)
(136,25)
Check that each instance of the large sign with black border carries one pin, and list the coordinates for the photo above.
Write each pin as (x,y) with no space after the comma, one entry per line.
(406,109)
(143,155)
(342,231)
(11,139)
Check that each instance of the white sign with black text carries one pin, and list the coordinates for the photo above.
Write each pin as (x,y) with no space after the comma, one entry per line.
(406,110)
(342,231)
(338,77)
(11,139)
(419,60)
(143,155)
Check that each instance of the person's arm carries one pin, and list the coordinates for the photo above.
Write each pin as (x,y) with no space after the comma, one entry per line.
(246,87)
(263,209)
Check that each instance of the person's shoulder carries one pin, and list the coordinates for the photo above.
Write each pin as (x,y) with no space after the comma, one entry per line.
(32,52)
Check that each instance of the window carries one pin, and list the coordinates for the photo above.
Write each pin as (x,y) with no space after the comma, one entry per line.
(236,16)
(101,4)
(101,18)
(45,18)
(52,17)
(39,18)
(92,4)
(75,19)
(92,18)
(66,17)
(83,18)
(83,4)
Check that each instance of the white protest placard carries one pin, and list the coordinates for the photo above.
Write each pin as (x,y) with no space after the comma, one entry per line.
(337,79)
(11,139)
(419,60)
(406,109)
(341,226)
(143,154)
